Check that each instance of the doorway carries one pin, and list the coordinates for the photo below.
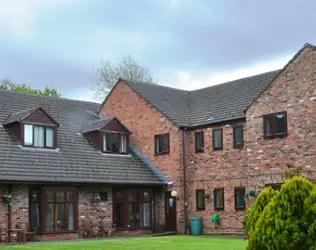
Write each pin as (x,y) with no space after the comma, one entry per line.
(170,212)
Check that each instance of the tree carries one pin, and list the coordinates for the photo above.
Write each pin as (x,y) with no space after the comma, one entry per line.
(7,84)
(107,75)
(282,224)
(257,208)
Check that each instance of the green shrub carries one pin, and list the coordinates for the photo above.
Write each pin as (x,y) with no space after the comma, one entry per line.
(257,207)
(282,224)
(310,218)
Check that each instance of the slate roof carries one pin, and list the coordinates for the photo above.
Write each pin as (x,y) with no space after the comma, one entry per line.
(75,160)
(209,105)
(96,125)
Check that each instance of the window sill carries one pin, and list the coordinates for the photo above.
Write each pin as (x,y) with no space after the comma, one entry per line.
(199,151)
(238,146)
(162,153)
(271,137)
(216,149)
(200,209)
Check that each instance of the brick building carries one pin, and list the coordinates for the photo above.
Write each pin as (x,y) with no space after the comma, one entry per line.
(210,145)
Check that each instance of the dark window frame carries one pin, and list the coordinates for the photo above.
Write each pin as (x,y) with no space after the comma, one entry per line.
(158,137)
(42,207)
(119,135)
(199,148)
(197,199)
(125,201)
(235,196)
(272,118)
(215,205)
(238,126)
(54,129)
(213,138)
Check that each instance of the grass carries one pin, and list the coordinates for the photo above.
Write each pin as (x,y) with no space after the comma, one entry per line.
(142,243)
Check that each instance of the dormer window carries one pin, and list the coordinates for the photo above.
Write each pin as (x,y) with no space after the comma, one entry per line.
(38,136)
(115,143)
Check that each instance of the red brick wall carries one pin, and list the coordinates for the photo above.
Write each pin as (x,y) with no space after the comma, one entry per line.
(145,122)
(216,169)
(292,92)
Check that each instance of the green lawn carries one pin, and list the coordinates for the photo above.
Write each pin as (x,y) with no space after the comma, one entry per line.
(148,243)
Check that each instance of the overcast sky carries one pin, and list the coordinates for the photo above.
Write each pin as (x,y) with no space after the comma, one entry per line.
(184,43)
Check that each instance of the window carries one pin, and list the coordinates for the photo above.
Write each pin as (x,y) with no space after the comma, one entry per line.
(240,198)
(238,133)
(199,141)
(217,138)
(139,208)
(38,136)
(275,125)
(162,144)
(115,143)
(275,186)
(219,198)
(103,196)
(200,199)
(53,210)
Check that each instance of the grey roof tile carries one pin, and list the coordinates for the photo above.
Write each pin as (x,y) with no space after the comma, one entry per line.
(96,125)
(209,105)
(75,160)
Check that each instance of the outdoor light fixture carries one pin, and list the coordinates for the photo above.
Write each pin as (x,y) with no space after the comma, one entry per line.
(174,193)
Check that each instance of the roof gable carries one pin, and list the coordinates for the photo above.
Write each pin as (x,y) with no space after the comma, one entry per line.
(36,115)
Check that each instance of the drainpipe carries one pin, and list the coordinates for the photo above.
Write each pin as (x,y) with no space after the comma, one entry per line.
(185,182)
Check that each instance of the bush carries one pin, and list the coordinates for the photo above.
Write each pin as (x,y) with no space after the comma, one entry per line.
(282,224)
(310,218)
(256,209)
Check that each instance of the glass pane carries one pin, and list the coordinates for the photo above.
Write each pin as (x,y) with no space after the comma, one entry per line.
(70,196)
(198,138)
(104,143)
(140,195)
(268,126)
(163,143)
(49,196)
(219,199)
(38,136)
(131,196)
(280,124)
(200,201)
(34,196)
(239,135)
(49,137)
(123,143)
(112,142)
(28,134)
(240,193)
(60,215)
(145,215)
(69,216)
(134,215)
(119,196)
(119,214)
(147,196)
(49,216)
(35,216)
(60,196)
(217,139)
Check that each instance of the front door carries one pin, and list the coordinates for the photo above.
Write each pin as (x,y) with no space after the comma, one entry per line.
(170,212)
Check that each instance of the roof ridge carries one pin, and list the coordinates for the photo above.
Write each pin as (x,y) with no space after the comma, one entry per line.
(238,79)
(47,97)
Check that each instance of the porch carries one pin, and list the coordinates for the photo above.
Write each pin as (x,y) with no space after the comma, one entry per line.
(42,212)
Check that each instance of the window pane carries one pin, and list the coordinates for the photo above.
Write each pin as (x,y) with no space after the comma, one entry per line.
(60,215)
(49,216)
(147,196)
(219,203)
(134,214)
(240,194)
(112,142)
(123,143)
(60,196)
(49,196)
(280,124)
(34,196)
(200,199)
(217,138)
(28,134)
(199,141)
(238,135)
(131,196)
(119,214)
(38,136)
(69,216)
(268,126)
(104,143)
(49,137)
(162,143)
(70,196)
(119,196)
(145,218)
(35,216)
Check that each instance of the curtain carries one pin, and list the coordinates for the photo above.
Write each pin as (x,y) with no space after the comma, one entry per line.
(49,137)
(38,136)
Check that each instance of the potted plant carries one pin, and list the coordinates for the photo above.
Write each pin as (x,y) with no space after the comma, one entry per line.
(7,197)
(207,196)
(216,219)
